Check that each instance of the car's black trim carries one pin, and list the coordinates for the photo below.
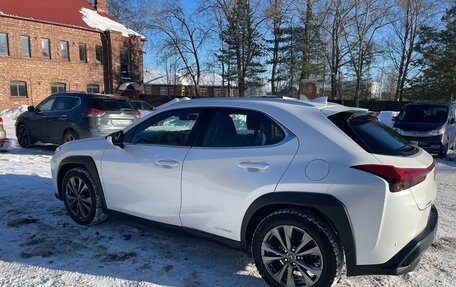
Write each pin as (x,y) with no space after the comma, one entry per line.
(140,223)
(326,205)
(408,257)
(89,164)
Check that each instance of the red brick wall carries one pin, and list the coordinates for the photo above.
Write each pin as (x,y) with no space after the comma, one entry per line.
(39,72)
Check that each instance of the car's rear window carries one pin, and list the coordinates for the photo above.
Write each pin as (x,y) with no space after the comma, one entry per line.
(372,135)
(111,104)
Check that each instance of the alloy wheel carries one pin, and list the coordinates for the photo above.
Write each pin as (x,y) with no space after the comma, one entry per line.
(291,256)
(23,136)
(78,198)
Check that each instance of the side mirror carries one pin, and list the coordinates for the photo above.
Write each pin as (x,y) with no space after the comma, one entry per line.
(116,139)
(31,109)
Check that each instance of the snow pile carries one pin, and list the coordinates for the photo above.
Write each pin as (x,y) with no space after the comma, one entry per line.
(386,117)
(12,114)
(96,21)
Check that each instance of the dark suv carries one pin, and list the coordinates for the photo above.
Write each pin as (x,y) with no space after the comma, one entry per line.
(66,117)
(431,125)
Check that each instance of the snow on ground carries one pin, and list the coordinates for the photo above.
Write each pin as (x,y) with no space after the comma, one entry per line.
(41,246)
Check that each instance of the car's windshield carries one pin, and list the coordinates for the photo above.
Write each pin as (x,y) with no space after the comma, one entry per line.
(111,104)
(424,113)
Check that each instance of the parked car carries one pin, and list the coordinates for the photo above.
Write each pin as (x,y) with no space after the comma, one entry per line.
(431,125)
(2,134)
(301,185)
(142,106)
(66,117)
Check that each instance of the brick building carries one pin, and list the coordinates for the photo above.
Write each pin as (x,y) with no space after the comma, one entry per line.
(50,46)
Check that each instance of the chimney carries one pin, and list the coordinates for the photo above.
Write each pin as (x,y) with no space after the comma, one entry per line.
(101,6)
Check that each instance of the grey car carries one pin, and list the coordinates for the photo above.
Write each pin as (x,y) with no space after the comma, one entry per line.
(66,117)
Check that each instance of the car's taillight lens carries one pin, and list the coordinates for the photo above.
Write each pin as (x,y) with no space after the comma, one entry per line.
(94,113)
(138,114)
(1,121)
(398,178)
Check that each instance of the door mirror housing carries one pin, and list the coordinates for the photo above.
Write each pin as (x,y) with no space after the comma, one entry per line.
(117,139)
(31,109)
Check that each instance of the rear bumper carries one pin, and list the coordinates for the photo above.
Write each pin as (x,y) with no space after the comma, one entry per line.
(406,259)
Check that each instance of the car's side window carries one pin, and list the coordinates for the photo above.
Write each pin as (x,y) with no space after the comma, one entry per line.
(241,128)
(66,103)
(171,128)
(46,105)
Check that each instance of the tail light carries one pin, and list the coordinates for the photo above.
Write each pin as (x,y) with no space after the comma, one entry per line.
(138,114)
(1,121)
(94,113)
(397,177)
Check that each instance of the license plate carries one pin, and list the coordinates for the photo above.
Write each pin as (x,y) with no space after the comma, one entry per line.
(122,123)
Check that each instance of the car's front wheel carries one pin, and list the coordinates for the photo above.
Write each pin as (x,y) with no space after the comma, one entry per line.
(444,151)
(82,197)
(294,247)
(23,136)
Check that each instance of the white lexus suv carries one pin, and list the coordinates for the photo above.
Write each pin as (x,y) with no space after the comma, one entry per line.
(303,186)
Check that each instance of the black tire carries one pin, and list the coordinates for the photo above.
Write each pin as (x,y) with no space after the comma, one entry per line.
(320,258)
(69,136)
(444,151)
(23,136)
(84,206)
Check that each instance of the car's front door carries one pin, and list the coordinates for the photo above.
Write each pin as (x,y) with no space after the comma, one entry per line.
(144,178)
(38,122)
(241,156)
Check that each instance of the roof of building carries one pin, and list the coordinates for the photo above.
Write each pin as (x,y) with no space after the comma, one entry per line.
(76,13)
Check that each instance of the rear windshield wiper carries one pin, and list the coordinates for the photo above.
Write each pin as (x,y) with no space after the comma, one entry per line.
(407,148)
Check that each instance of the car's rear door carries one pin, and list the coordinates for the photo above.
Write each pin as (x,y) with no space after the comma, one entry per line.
(62,117)
(241,156)
(144,178)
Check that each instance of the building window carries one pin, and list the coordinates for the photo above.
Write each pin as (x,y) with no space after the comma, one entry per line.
(46,48)
(203,91)
(148,90)
(18,89)
(99,53)
(25,46)
(57,88)
(125,63)
(166,91)
(64,50)
(83,53)
(4,50)
(217,92)
(93,89)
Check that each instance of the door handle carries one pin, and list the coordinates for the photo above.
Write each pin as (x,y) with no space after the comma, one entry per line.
(254,166)
(63,117)
(167,163)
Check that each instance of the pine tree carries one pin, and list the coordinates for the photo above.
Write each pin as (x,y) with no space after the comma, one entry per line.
(244,48)
(438,61)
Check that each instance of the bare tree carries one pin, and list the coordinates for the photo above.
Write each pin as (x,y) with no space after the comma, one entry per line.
(183,35)
(408,16)
(367,17)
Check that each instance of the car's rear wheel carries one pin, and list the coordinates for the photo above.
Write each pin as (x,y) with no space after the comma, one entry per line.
(70,136)
(23,136)
(294,247)
(82,197)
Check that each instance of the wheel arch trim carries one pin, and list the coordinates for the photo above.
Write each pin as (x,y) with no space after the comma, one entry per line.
(89,164)
(329,207)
